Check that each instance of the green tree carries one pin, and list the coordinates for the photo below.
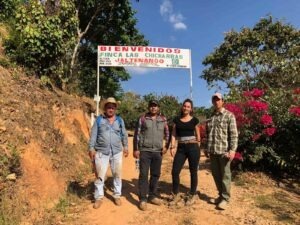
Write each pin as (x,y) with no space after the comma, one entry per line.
(266,55)
(59,39)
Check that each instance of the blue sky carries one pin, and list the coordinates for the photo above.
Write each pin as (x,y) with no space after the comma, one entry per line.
(198,25)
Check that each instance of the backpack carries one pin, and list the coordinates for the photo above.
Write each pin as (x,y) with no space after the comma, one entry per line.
(118,118)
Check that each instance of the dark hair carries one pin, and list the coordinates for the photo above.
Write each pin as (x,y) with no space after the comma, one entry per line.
(192,106)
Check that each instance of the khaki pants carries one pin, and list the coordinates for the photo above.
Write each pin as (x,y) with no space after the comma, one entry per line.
(220,168)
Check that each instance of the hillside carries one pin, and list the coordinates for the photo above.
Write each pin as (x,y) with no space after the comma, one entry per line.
(43,142)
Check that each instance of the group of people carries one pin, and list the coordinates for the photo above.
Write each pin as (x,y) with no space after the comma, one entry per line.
(109,142)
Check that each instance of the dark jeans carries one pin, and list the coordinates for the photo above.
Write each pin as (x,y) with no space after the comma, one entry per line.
(192,153)
(153,161)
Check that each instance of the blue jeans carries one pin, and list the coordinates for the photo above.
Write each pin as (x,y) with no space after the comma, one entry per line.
(101,163)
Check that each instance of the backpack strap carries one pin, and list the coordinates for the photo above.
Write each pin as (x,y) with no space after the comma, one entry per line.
(98,120)
(118,118)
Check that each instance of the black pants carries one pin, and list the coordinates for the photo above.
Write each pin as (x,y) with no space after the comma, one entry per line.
(192,153)
(153,161)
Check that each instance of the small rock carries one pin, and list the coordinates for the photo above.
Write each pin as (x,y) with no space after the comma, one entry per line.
(11,177)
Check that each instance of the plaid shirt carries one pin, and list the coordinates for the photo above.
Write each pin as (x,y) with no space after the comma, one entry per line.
(222,134)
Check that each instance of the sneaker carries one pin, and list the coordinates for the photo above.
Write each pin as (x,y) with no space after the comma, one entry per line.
(222,205)
(97,203)
(117,201)
(176,199)
(143,205)
(191,200)
(155,201)
(215,201)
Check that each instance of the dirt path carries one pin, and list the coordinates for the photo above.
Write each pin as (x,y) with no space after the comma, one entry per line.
(242,209)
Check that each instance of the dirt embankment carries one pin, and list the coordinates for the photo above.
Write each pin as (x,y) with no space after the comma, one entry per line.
(48,130)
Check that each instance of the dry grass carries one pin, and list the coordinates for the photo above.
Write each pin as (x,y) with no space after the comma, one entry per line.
(281,205)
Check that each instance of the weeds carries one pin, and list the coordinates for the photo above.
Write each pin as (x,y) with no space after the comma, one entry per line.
(281,205)
(62,206)
(10,210)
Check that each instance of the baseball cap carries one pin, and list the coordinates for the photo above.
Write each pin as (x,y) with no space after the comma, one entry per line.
(218,95)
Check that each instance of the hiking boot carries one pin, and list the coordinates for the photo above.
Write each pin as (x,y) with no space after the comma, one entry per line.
(215,201)
(223,205)
(155,201)
(97,203)
(191,199)
(143,205)
(176,199)
(117,201)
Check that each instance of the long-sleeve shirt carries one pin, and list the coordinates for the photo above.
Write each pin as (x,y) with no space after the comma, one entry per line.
(222,133)
(149,133)
(106,137)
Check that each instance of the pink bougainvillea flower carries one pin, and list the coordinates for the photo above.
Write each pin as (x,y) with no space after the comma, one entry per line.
(247,93)
(234,108)
(269,131)
(266,119)
(257,106)
(238,156)
(295,110)
(296,91)
(256,93)
(255,137)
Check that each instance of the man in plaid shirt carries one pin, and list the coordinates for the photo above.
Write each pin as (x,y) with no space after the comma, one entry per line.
(222,139)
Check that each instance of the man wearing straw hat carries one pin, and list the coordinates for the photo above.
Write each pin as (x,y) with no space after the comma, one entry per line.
(107,145)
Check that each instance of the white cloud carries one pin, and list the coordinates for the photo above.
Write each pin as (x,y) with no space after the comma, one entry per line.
(166,8)
(179,26)
(176,19)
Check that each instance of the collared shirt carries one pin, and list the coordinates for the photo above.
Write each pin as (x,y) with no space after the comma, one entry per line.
(149,133)
(106,137)
(222,133)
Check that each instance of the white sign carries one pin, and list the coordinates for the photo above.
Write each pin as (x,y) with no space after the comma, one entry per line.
(143,56)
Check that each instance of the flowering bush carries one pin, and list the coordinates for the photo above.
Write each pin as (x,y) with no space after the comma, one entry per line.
(255,125)
(269,128)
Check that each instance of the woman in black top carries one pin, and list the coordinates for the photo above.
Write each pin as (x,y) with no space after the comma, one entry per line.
(187,134)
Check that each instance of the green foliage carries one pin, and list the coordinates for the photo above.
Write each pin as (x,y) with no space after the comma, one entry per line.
(41,37)
(59,39)
(7,9)
(265,56)
(133,106)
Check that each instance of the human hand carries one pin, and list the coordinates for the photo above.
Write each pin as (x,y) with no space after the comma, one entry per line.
(172,151)
(125,152)
(92,154)
(136,154)
(164,151)
(206,153)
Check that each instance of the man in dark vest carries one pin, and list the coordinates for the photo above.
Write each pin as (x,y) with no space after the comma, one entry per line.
(148,147)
